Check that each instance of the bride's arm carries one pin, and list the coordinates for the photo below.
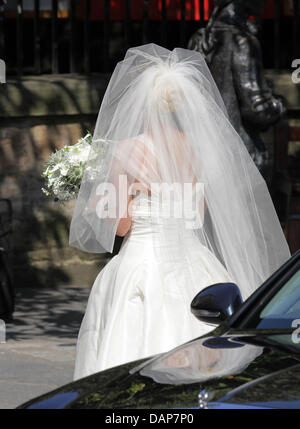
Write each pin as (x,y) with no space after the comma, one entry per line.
(126,221)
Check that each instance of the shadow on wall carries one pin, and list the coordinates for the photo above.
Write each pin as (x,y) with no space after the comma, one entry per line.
(39,115)
(40,226)
(52,95)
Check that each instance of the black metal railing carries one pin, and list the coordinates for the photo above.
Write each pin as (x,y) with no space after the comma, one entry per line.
(2,45)
(278,33)
(87,44)
(72,26)
(296,50)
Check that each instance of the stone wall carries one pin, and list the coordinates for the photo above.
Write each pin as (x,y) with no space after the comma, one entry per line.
(37,116)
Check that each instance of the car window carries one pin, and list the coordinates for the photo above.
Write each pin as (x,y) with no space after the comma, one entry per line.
(284,307)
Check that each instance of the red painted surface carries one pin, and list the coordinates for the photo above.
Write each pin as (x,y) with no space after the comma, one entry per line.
(117,10)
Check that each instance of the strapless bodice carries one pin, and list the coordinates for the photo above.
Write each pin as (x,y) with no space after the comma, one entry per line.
(169,222)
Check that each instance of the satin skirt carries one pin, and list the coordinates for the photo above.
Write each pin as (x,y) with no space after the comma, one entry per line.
(139,304)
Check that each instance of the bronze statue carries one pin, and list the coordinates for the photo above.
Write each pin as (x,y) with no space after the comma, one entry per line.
(232,51)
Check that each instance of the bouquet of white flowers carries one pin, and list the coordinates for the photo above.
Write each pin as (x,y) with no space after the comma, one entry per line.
(64,170)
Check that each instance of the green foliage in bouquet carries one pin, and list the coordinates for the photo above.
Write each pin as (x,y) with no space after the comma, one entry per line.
(64,170)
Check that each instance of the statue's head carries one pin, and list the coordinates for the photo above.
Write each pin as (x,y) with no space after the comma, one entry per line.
(244,8)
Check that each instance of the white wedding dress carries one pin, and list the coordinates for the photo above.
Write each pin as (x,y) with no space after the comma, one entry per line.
(139,304)
(162,120)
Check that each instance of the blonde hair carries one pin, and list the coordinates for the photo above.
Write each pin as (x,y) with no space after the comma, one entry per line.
(166,90)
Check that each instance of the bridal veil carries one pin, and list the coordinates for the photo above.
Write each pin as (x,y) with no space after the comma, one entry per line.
(162,122)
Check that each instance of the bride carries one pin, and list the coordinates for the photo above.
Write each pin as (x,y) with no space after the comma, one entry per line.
(168,172)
